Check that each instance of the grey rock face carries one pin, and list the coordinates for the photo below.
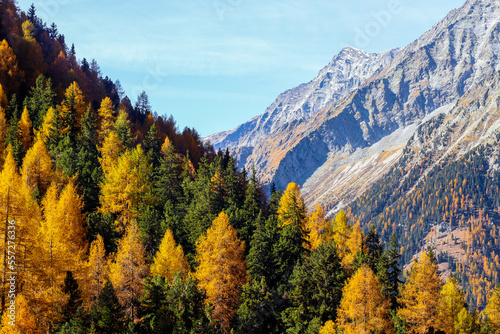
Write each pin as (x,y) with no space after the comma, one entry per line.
(344,73)
(342,149)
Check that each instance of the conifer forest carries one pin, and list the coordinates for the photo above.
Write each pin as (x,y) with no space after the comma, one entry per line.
(113,220)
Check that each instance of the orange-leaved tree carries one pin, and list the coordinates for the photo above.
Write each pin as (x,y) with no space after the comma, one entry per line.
(221,270)
(363,308)
(170,259)
(128,269)
(420,295)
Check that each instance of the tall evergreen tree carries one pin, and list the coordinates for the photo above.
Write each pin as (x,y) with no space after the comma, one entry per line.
(317,292)
(107,315)
(40,99)
(88,166)
(393,271)
(152,145)
(74,293)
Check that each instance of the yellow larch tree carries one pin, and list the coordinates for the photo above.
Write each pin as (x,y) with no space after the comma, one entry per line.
(339,232)
(420,295)
(47,127)
(24,128)
(44,288)
(363,308)
(127,186)
(110,151)
(97,272)
(37,171)
(292,207)
(72,109)
(170,259)
(24,322)
(451,302)
(316,225)
(328,328)
(71,224)
(62,235)
(492,310)
(221,270)
(128,269)
(353,245)
(167,146)
(106,118)
(20,217)
(10,74)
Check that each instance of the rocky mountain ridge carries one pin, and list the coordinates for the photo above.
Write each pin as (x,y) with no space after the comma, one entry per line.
(344,73)
(338,152)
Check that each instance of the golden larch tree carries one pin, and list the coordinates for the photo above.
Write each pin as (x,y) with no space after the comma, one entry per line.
(339,232)
(10,74)
(492,310)
(363,308)
(62,234)
(106,118)
(420,295)
(44,288)
(24,128)
(47,127)
(20,213)
(221,270)
(129,269)
(353,245)
(127,186)
(317,226)
(110,151)
(25,321)
(72,108)
(328,328)
(170,259)
(37,171)
(292,207)
(97,272)
(451,302)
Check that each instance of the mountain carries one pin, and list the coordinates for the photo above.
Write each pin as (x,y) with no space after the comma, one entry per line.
(336,154)
(342,75)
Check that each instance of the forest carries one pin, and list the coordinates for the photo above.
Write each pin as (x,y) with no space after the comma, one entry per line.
(114,221)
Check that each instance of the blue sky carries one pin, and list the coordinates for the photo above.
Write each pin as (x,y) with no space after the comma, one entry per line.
(214,64)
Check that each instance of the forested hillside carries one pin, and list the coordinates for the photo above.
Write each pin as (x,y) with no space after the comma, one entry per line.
(114,221)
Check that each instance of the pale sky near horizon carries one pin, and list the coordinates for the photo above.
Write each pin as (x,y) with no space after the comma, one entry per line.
(214,64)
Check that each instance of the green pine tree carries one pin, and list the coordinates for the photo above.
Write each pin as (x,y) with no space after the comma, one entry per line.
(107,315)
(318,284)
(88,166)
(40,99)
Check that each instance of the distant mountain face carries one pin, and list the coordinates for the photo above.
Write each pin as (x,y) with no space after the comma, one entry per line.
(342,75)
(344,130)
